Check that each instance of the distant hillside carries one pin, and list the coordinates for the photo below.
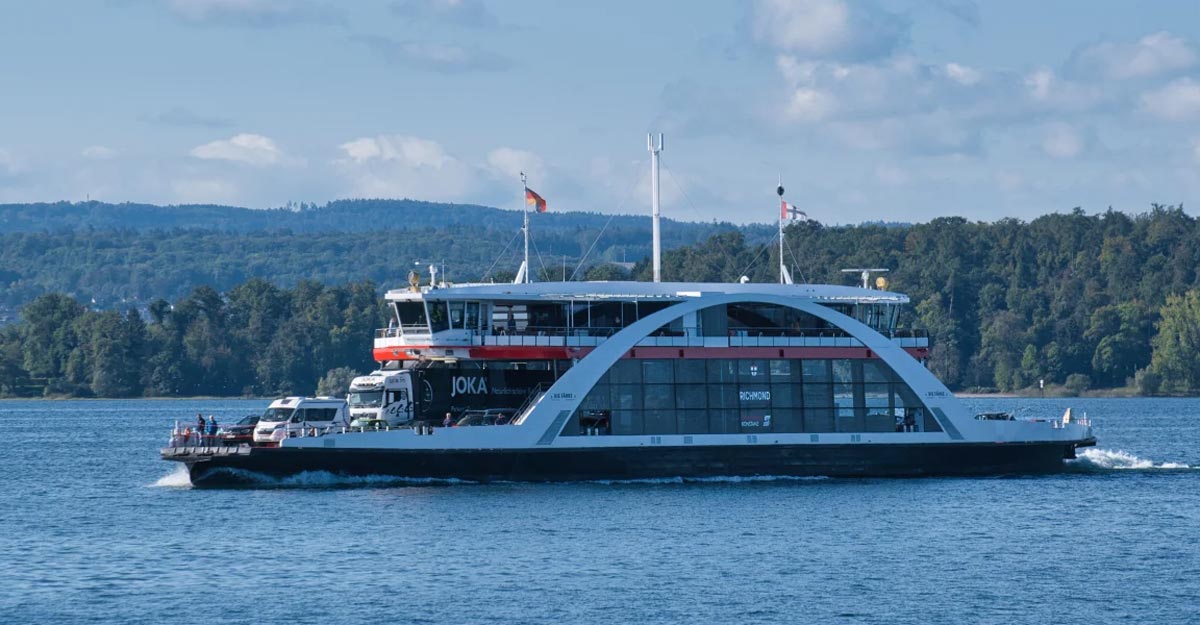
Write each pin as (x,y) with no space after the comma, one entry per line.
(126,254)
(338,216)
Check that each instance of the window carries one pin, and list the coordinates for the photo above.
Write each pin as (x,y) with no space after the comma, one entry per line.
(722,371)
(752,370)
(438,320)
(457,314)
(472,322)
(658,371)
(411,313)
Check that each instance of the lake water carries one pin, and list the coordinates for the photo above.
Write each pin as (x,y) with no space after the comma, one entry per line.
(94,528)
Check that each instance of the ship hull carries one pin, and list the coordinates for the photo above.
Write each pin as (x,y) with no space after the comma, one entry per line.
(637,463)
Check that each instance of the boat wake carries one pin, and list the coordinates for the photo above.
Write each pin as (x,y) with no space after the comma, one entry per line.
(227,477)
(178,478)
(1094,460)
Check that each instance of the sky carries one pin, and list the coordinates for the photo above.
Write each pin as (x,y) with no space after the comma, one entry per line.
(892,110)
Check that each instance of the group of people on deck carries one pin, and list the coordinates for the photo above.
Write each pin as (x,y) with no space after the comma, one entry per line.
(205,432)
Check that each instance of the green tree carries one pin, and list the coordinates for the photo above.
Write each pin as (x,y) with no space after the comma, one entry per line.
(1176,357)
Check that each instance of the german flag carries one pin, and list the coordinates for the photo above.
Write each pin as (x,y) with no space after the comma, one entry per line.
(535,200)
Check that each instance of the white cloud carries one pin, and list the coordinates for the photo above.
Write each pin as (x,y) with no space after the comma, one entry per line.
(892,175)
(1177,101)
(1153,55)
(98,152)
(470,13)
(243,148)
(254,13)
(10,164)
(962,74)
(827,28)
(436,57)
(508,163)
(1062,141)
(410,151)
(1046,89)
(406,166)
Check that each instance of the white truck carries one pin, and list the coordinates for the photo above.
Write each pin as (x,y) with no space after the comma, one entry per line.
(381,398)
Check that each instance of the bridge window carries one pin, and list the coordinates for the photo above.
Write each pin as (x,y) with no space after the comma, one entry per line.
(411,314)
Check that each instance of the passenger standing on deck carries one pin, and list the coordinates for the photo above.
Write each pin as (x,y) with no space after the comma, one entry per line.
(448,421)
(212,426)
(199,428)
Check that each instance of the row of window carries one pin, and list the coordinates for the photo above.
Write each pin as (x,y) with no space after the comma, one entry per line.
(759,370)
(638,422)
(660,396)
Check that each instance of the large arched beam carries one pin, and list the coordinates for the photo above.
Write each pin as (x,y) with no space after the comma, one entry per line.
(557,405)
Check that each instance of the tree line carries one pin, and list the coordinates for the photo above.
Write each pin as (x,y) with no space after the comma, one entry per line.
(1100,301)
(255,339)
(1104,300)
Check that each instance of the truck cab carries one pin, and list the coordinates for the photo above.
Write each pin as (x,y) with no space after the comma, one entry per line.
(382,398)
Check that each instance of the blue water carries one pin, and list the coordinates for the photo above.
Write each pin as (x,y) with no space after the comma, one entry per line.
(94,528)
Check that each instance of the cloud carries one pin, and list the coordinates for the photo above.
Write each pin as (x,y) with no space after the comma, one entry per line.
(254,13)
(468,13)
(179,116)
(828,29)
(1179,100)
(508,163)
(98,152)
(962,74)
(436,57)
(1061,140)
(1153,55)
(405,166)
(1047,90)
(253,149)
(10,164)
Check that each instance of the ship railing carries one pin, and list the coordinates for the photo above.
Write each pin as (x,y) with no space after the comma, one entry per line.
(530,401)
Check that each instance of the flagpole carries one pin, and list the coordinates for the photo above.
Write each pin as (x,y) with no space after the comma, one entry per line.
(525,204)
(779,190)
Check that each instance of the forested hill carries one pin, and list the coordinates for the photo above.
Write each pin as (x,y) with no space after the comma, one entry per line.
(338,216)
(1079,300)
(1100,300)
(121,255)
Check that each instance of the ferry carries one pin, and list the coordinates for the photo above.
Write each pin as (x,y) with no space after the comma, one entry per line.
(644,380)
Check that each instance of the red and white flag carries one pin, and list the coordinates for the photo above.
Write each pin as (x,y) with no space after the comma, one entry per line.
(789,211)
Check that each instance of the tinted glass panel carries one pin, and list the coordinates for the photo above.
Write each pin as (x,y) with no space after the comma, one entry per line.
(723,396)
(690,371)
(722,371)
(692,421)
(752,370)
(691,396)
(659,422)
(658,371)
(659,397)
(815,370)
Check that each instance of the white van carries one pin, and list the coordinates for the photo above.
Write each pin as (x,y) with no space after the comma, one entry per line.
(300,416)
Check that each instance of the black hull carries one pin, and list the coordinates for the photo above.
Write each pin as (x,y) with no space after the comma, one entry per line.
(632,463)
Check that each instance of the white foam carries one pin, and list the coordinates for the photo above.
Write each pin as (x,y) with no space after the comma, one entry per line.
(178,478)
(1108,459)
(729,479)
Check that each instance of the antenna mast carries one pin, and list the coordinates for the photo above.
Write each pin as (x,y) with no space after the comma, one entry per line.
(785,277)
(523,273)
(654,149)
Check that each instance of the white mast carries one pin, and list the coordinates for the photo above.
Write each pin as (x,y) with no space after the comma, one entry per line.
(654,150)
(523,272)
(785,277)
